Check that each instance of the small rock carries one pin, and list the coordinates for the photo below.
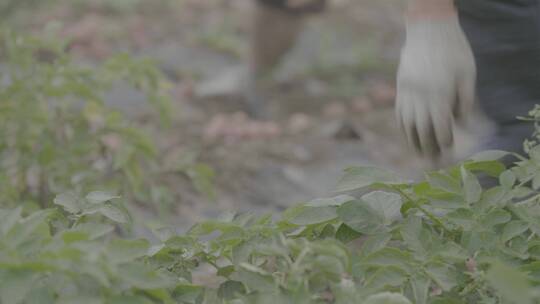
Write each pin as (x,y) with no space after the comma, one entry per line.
(112,141)
(299,123)
(270,130)
(361,105)
(382,94)
(302,154)
(334,110)
(471,265)
(347,132)
(185,90)
(215,127)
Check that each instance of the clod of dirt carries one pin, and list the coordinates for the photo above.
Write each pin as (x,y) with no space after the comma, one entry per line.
(334,110)
(382,94)
(185,90)
(299,123)
(361,105)
(238,127)
(112,141)
(347,131)
(138,32)
(86,37)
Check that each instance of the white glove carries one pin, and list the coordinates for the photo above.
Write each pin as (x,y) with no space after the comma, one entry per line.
(436,83)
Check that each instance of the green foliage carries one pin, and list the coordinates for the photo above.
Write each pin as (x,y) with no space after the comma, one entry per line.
(55,257)
(447,239)
(56,133)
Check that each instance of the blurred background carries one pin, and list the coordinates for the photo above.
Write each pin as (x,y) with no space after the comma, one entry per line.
(330,98)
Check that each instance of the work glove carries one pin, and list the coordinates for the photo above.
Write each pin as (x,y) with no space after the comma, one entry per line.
(436,83)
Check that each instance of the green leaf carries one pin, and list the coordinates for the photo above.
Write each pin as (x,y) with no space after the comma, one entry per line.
(162,294)
(21,232)
(494,197)
(329,231)
(203,178)
(463,218)
(390,257)
(521,192)
(475,240)
(70,201)
(330,202)
(114,213)
(420,287)
(95,271)
(387,298)
(100,197)
(375,243)
(386,277)
(40,296)
(94,230)
(187,293)
(490,155)
(532,270)
(511,284)
(141,276)
(496,217)
(123,251)
(415,236)
(386,204)
(70,237)
(128,300)
(346,234)
(313,215)
(208,227)
(15,285)
(452,252)
(448,300)
(443,274)
(359,216)
(8,219)
(471,186)
(80,300)
(230,289)
(513,229)
(534,153)
(444,182)
(491,168)
(226,271)
(508,179)
(517,248)
(536,181)
(255,278)
(361,177)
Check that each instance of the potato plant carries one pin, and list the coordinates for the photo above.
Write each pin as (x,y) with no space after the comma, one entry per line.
(448,239)
(56,132)
(467,234)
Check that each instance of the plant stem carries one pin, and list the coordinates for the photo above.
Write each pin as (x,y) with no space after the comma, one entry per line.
(432,217)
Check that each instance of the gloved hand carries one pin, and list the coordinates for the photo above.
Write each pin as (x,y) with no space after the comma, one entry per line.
(436,83)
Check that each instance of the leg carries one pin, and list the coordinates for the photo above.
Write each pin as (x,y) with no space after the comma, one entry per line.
(505,38)
(276,25)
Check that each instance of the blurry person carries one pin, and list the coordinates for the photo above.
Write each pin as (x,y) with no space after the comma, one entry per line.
(463,54)
(275,28)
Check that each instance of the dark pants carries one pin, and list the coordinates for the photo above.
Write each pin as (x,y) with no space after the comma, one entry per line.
(313,6)
(505,38)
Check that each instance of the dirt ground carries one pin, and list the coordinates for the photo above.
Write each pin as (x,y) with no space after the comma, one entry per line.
(331,98)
